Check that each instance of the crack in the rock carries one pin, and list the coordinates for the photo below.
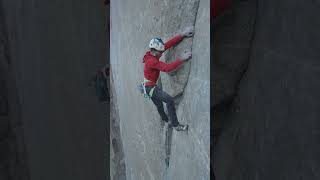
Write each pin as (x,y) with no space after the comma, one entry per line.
(177,100)
(168,142)
(179,96)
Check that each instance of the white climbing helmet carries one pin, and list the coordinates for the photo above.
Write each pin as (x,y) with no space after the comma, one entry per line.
(157,44)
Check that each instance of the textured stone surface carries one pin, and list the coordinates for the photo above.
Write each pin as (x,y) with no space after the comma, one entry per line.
(273,133)
(190,156)
(117,161)
(56,47)
(174,19)
(145,138)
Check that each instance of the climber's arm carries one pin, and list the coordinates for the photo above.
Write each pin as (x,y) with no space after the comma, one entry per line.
(187,32)
(166,67)
(173,41)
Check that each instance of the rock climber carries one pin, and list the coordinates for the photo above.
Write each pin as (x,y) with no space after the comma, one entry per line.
(152,68)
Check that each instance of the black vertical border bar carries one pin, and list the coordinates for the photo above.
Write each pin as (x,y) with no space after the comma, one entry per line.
(212,176)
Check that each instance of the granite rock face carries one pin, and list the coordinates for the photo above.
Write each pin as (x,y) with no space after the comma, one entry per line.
(174,20)
(117,161)
(153,151)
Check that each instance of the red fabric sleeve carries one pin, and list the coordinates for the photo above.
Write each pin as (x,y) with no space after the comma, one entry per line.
(173,41)
(161,66)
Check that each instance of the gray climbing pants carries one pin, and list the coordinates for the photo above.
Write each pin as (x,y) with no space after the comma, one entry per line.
(158,97)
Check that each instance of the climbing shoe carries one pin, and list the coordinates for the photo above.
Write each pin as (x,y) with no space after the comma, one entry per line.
(181,127)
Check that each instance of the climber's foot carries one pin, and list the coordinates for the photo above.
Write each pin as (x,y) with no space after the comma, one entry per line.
(181,127)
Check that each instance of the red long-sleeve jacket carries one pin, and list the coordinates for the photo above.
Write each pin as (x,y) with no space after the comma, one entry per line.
(152,65)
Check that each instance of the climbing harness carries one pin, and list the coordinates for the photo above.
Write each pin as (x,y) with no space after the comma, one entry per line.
(142,89)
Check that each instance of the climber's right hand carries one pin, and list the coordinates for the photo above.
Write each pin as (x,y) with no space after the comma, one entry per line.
(186,55)
(188,31)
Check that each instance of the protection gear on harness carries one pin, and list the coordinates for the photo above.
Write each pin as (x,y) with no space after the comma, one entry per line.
(157,44)
(142,89)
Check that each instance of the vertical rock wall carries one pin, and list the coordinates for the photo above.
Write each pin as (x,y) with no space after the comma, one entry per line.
(117,161)
(145,139)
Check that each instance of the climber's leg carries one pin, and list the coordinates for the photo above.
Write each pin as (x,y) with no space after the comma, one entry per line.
(158,103)
(161,96)
(159,106)
(160,109)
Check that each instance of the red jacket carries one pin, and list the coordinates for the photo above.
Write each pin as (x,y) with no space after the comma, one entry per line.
(152,65)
